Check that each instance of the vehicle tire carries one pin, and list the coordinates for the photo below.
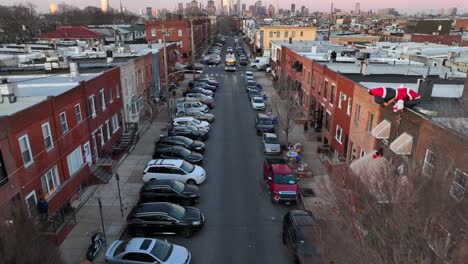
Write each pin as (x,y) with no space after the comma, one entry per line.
(254,67)
(182,113)
(186,233)
(191,181)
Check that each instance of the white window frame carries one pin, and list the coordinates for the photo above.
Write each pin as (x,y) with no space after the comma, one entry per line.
(53,176)
(370,122)
(179,33)
(75,161)
(92,106)
(325,90)
(47,126)
(26,137)
(153,32)
(118,90)
(78,113)
(111,96)
(107,125)
(457,186)
(428,164)
(340,138)
(63,122)
(102,98)
(332,94)
(350,104)
(340,100)
(115,123)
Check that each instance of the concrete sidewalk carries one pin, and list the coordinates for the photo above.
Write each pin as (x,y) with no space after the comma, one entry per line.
(322,201)
(74,247)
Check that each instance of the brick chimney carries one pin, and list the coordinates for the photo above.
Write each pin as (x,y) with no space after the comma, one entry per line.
(425,87)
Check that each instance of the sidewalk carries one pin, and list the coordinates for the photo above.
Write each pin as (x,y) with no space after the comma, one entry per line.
(88,218)
(322,201)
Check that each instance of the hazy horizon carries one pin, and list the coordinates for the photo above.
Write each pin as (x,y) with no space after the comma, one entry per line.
(137,5)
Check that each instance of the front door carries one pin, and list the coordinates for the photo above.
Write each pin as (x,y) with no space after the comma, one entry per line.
(88,156)
(31,202)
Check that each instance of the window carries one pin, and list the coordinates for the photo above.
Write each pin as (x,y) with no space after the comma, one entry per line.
(457,190)
(153,32)
(293,34)
(115,123)
(117,91)
(25,148)
(325,90)
(339,134)
(370,120)
(327,121)
(278,34)
(102,99)
(340,99)
(350,103)
(362,153)
(92,106)
(79,118)
(286,34)
(179,33)
(428,164)
(111,98)
(63,122)
(74,160)
(302,33)
(271,34)
(358,114)
(308,77)
(50,182)
(332,96)
(320,86)
(313,81)
(49,143)
(106,131)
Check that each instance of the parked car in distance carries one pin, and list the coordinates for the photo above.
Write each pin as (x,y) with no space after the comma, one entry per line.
(204,86)
(207,80)
(190,132)
(271,144)
(196,66)
(183,142)
(250,85)
(177,152)
(249,73)
(171,191)
(191,106)
(300,236)
(243,60)
(174,169)
(197,89)
(208,100)
(182,121)
(146,250)
(200,116)
(280,180)
(164,218)
(254,93)
(257,103)
(263,123)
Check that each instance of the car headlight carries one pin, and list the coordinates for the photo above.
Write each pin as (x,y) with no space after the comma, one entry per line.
(196,223)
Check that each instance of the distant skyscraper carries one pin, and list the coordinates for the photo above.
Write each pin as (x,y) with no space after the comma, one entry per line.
(357,8)
(244,8)
(271,11)
(210,7)
(293,8)
(105,5)
(53,8)
(180,8)
(149,11)
(452,11)
(238,9)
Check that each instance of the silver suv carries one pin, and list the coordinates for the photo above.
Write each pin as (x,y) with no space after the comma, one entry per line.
(191,106)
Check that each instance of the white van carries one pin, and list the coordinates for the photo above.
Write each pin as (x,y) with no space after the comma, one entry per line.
(260,61)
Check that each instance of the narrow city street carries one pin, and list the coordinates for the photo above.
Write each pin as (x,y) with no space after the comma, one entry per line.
(242,225)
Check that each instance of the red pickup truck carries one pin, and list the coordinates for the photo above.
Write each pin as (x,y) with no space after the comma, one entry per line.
(281,182)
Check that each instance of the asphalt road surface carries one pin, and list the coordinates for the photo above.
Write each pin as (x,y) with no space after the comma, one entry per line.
(242,225)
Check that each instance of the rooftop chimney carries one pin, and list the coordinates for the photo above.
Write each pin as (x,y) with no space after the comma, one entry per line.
(7,92)
(314,50)
(290,40)
(425,87)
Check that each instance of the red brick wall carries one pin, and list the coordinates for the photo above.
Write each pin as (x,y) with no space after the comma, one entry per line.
(444,39)
(340,115)
(461,23)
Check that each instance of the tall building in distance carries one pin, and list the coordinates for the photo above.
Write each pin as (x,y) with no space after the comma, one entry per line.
(452,11)
(149,11)
(271,11)
(180,8)
(244,9)
(210,7)
(238,9)
(105,5)
(293,9)
(53,8)
(357,8)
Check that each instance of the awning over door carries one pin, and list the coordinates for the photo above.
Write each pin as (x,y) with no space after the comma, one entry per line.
(403,144)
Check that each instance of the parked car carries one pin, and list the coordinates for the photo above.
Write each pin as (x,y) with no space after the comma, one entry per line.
(243,60)
(204,86)
(190,132)
(280,180)
(174,169)
(204,99)
(300,236)
(200,116)
(182,141)
(249,73)
(263,124)
(196,66)
(146,250)
(177,152)
(191,106)
(271,144)
(254,93)
(265,67)
(166,218)
(250,85)
(182,121)
(207,80)
(169,191)
(201,90)
(257,103)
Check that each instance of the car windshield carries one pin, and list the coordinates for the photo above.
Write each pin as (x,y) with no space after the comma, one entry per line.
(254,93)
(251,84)
(161,250)
(178,186)
(265,121)
(183,151)
(187,167)
(271,140)
(177,211)
(258,101)
(185,140)
(192,128)
(196,121)
(121,248)
(287,179)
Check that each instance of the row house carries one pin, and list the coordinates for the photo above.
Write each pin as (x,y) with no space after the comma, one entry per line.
(56,128)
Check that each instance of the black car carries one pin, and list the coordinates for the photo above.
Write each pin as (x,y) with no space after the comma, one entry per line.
(183,142)
(299,235)
(177,152)
(263,124)
(169,191)
(190,132)
(204,86)
(254,93)
(150,218)
(206,80)
(243,60)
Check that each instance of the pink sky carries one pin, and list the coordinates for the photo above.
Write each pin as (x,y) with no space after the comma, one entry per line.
(403,6)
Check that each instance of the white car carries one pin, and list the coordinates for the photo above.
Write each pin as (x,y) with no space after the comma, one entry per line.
(187,120)
(146,250)
(174,169)
(257,103)
(271,144)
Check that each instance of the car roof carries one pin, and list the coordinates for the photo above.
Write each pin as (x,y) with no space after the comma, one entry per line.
(183,118)
(262,115)
(145,208)
(303,218)
(135,244)
(159,183)
(257,97)
(270,135)
(160,148)
(249,72)
(166,162)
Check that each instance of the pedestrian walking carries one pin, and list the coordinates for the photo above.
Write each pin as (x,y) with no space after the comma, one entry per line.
(306,127)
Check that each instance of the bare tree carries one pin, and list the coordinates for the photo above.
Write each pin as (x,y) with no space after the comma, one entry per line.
(18,23)
(20,241)
(285,109)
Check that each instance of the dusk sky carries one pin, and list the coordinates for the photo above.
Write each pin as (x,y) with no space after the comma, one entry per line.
(402,6)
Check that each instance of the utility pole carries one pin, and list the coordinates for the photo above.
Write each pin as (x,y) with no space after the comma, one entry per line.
(166,74)
(193,47)
(331,18)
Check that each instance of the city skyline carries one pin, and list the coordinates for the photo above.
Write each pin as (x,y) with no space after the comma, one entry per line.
(365,5)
